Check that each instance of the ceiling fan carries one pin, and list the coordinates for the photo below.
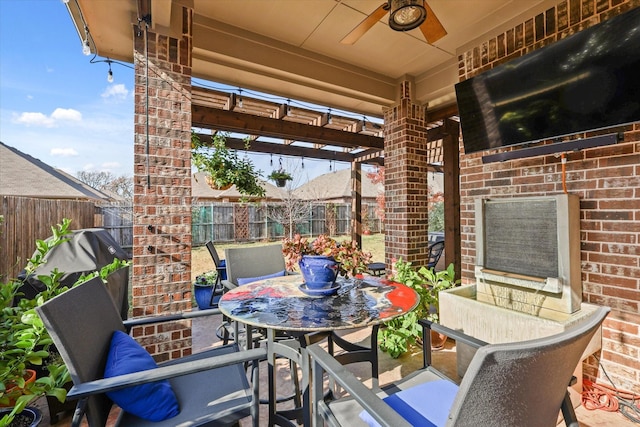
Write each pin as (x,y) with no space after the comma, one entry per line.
(404,15)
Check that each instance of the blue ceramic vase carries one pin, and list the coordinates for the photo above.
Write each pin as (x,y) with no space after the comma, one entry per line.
(319,271)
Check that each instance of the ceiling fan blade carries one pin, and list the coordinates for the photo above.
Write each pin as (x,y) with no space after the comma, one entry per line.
(431,28)
(365,25)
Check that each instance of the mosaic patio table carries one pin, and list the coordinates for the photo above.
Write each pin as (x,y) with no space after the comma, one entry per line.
(279,304)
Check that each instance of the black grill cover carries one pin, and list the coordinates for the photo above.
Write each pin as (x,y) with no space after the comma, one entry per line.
(87,250)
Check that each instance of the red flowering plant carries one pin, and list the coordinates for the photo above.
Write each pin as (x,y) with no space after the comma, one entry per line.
(351,259)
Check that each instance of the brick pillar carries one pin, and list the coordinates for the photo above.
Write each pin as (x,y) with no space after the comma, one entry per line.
(161,280)
(405,184)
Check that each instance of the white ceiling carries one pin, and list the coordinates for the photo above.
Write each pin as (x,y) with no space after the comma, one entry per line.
(292,48)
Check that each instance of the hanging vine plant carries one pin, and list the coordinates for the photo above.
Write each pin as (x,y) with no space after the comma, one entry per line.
(225,167)
(280,177)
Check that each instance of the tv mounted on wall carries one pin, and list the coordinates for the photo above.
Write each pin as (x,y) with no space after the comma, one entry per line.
(587,81)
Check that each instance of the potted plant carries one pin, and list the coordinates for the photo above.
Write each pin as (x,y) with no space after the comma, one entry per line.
(348,259)
(280,177)
(24,341)
(204,287)
(225,167)
(403,331)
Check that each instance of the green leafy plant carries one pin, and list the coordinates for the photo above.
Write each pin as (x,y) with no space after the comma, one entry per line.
(225,167)
(209,278)
(351,259)
(402,332)
(24,341)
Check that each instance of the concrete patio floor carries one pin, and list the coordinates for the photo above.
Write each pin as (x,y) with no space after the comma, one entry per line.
(389,370)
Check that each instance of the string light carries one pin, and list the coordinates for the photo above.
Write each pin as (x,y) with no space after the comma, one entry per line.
(329,119)
(110,73)
(364,123)
(86,49)
(239,98)
(302,162)
(287,110)
(271,160)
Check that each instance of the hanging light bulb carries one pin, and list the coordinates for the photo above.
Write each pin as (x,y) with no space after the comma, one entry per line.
(364,123)
(287,111)
(110,73)
(240,98)
(271,160)
(303,163)
(86,49)
(329,119)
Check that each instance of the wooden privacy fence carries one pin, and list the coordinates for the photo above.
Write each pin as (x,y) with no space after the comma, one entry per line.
(27,220)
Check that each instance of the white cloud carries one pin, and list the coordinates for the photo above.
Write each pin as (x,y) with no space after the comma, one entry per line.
(88,167)
(29,97)
(39,119)
(66,114)
(117,91)
(63,152)
(34,119)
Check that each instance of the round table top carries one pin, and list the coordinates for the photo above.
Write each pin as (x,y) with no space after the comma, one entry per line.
(278,303)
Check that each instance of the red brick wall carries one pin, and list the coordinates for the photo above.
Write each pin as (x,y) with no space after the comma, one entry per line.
(161,280)
(606,179)
(405,181)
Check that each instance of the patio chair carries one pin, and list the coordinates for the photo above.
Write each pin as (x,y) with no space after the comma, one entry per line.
(435,252)
(82,322)
(221,268)
(514,384)
(246,265)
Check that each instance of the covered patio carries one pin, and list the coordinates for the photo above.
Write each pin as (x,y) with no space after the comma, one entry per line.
(294,51)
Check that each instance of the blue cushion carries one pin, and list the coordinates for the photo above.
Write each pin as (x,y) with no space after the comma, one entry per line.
(245,280)
(153,401)
(426,404)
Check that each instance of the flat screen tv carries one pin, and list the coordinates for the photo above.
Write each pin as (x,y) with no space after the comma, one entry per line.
(587,81)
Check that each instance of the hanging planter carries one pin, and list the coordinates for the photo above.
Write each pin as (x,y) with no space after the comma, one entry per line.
(224,167)
(211,183)
(280,177)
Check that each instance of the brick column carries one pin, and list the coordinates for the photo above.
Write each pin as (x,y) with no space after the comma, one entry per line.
(161,280)
(405,162)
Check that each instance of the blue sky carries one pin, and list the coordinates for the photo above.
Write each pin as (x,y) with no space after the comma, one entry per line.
(59,108)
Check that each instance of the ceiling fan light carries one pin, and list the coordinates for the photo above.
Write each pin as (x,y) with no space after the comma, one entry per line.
(405,15)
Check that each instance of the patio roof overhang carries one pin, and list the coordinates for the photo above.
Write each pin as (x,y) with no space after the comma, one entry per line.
(292,49)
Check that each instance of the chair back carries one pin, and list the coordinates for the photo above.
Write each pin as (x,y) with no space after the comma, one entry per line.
(435,251)
(214,253)
(253,261)
(522,383)
(81,322)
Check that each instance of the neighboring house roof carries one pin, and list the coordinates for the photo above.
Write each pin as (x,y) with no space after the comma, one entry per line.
(336,185)
(24,176)
(202,191)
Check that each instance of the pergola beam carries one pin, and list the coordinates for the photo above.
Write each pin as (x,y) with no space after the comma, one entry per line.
(213,118)
(282,149)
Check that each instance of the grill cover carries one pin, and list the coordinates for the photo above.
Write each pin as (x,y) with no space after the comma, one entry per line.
(87,250)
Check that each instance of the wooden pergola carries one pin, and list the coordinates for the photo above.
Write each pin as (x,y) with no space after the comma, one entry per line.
(334,137)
